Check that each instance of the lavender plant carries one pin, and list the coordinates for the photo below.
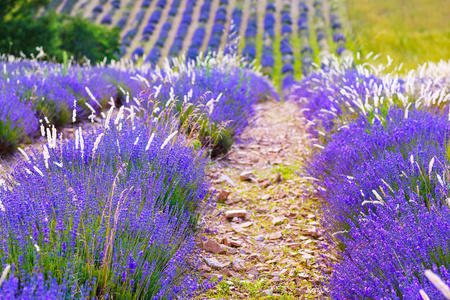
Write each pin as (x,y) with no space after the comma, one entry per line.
(110,214)
(383,175)
(227,102)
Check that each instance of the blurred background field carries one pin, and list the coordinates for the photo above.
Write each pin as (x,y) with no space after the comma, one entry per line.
(409,31)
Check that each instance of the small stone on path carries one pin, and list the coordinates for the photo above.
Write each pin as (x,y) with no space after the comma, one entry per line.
(213,246)
(238,264)
(278,220)
(223,195)
(225,177)
(214,263)
(204,267)
(277,178)
(276,235)
(259,238)
(247,176)
(239,213)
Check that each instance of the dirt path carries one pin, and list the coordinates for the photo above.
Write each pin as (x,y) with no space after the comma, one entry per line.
(264,236)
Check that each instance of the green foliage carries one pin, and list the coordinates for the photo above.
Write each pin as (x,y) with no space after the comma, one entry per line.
(81,37)
(12,8)
(22,32)
(9,135)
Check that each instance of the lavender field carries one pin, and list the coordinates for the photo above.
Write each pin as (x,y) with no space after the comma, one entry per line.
(227,150)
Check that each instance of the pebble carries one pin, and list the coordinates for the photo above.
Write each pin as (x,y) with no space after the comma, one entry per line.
(278,220)
(225,177)
(213,246)
(260,238)
(247,176)
(239,213)
(253,271)
(278,178)
(223,195)
(268,291)
(275,235)
(214,263)
(231,250)
(204,267)
(243,251)
(226,241)
(238,264)
(246,224)
(236,243)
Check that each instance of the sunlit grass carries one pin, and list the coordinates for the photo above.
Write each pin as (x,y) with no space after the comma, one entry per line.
(411,32)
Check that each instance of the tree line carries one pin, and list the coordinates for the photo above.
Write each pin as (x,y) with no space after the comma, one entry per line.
(23,29)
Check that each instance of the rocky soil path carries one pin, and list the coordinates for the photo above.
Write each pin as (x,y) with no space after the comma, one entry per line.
(264,236)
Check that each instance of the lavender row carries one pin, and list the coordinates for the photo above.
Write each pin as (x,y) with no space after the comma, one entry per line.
(111,213)
(182,31)
(154,19)
(320,22)
(125,14)
(115,6)
(286,48)
(249,52)
(233,38)
(98,9)
(336,26)
(218,28)
(33,91)
(303,33)
(199,34)
(60,94)
(225,101)
(267,59)
(383,175)
(155,53)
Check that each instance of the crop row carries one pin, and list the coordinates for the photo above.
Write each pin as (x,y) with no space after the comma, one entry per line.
(286,48)
(383,174)
(314,37)
(155,53)
(113,212)
(267,56)
(182,31)
(200,32)
(249,51)
(60,93)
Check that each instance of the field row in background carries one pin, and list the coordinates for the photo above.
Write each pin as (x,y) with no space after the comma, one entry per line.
(282,35)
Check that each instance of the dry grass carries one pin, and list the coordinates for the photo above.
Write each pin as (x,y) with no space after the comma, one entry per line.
(410,31)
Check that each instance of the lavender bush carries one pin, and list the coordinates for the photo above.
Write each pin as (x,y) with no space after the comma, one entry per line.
(227,102)
(383,175)
(109,214)
(32,90)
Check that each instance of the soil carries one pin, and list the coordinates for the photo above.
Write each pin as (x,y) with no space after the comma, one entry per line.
(273,250)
